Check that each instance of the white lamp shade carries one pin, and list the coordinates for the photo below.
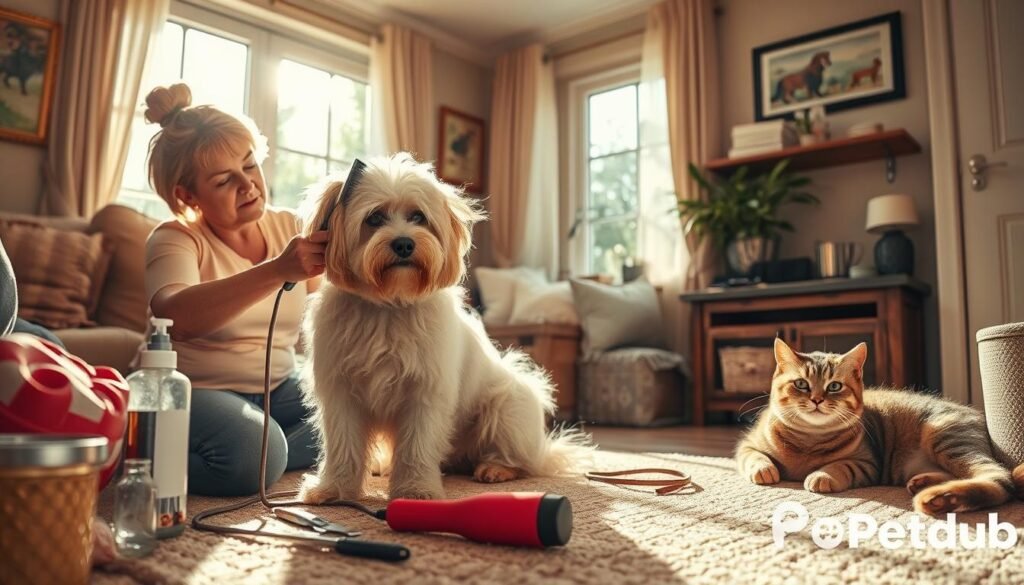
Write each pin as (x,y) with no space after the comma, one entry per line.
(891,212)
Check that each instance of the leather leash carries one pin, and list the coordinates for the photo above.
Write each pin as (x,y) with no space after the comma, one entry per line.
(665,486)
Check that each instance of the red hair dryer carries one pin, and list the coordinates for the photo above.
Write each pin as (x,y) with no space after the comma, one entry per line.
(533,519)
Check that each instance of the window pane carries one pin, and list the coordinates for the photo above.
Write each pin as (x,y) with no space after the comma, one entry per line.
(293,172)
(348,117)
(215,70)
(612,186)
(302,105)
(611,243)
(340,167)
(149,204)
(165,66)
(613,124)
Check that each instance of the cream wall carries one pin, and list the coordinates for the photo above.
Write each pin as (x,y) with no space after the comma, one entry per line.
(845,190)
(21,175)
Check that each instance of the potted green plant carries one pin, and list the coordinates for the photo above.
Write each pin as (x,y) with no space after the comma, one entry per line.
(740,214)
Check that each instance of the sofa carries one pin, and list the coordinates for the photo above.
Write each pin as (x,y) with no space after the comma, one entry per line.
(116,322)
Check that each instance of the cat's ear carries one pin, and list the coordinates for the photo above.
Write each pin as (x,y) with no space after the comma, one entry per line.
(856,357)
(784,355)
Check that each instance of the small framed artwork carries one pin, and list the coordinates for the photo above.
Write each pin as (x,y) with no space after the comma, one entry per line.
(28,66)
(843,67)
(460,150)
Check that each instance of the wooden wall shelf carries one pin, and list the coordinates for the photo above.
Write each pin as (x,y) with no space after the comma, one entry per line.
(882,145)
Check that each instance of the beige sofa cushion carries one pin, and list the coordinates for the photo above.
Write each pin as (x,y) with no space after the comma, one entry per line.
(123,301)
(55,270)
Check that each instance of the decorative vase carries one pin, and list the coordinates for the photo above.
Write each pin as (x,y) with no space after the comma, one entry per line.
(894,253)
(743,253)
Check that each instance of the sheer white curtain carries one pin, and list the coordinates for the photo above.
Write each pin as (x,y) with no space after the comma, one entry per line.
(678,124)
(104,53)
(540,249)
(402,93)
(523,165)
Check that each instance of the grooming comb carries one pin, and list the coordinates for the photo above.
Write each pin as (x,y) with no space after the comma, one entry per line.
(354,175)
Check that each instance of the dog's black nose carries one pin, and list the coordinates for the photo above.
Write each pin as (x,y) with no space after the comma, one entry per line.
(403,247)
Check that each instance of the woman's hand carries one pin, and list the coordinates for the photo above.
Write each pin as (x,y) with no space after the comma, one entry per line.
(302,258)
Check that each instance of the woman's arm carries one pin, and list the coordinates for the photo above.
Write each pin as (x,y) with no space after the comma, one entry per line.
(202,308)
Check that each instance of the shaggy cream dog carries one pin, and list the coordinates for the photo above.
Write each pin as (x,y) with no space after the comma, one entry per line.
(396,360)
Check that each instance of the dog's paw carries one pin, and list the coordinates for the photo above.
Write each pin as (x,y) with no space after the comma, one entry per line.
(923,480)
(765,474)
(821,482)
(417,489)
(494,473)
(313,491)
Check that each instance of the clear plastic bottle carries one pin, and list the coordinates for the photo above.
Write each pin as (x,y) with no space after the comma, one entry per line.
(159,400)
(135,510)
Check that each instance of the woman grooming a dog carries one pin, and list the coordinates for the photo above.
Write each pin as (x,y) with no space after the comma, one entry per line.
(214,270)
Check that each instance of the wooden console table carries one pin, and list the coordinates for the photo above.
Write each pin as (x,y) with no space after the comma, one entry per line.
(826,315)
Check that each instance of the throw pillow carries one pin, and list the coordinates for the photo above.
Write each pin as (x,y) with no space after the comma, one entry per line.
(543,303)
(124,302)
(498,288)
(618,316)
(55,271)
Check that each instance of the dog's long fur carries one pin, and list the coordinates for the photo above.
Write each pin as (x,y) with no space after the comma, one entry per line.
(395,358)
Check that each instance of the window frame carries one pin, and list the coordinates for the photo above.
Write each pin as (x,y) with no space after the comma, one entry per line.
(266,47)
(579,92)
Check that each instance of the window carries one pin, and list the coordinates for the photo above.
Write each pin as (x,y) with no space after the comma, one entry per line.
(321,127)
(611,203)
(314,112)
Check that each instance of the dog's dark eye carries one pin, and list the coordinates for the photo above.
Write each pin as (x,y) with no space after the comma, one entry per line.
(802,384)
(417,217)
(376,219)
(834,386)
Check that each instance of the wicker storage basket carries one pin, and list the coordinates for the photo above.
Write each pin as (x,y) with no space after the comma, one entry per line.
(1001,360)
(747,369)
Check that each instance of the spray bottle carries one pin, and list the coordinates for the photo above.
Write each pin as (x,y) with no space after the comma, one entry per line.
(158,412)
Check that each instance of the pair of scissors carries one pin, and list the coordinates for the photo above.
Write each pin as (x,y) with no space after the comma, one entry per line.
(310,520)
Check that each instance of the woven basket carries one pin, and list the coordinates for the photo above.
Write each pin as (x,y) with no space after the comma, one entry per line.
(1001,360)
(747,369)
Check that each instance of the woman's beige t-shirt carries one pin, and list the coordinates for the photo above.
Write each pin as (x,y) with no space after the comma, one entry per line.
(232,357)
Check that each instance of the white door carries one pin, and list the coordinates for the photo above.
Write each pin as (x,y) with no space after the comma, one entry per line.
(988,54)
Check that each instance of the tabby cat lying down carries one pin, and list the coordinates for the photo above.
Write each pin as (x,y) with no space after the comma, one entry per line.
(823,428)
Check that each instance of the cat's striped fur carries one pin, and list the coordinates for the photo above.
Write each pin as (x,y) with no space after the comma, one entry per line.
(823,428)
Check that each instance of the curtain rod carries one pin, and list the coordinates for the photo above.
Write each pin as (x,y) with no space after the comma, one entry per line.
(595,44)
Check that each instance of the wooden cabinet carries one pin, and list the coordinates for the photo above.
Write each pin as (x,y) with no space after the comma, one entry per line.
(554,347)
(828,315)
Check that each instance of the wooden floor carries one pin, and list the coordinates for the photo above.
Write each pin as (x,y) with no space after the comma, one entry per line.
(713,441)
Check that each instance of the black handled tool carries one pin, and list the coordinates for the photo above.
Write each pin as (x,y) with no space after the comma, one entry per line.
(354,174)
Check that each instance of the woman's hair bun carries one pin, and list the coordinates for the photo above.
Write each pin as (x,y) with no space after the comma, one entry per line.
(163,103)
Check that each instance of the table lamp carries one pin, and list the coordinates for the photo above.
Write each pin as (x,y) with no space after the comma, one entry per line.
(890,215)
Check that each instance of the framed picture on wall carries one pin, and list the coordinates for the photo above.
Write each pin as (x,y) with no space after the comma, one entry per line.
(28,66)
(460,150)
(847,66)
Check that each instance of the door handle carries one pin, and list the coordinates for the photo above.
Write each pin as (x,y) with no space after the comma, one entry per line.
(978,165)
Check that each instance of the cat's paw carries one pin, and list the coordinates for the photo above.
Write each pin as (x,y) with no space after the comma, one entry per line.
(821,482)
(763,473)
(940,500)
(494,473)
(923,480)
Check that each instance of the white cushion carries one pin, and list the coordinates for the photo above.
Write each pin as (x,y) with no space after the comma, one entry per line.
(498,288)
(618,316)
(543,303)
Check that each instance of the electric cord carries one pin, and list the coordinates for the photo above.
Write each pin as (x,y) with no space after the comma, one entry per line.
(343,545)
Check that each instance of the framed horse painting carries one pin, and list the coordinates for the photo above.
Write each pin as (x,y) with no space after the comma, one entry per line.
(843,67)
(28,66)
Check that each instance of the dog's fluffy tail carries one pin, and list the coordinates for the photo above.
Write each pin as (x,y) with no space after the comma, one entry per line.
(568,451)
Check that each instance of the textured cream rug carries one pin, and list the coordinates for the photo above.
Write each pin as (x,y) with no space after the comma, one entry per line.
(720,534)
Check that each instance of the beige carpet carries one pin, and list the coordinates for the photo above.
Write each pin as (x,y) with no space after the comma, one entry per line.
(721,534)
